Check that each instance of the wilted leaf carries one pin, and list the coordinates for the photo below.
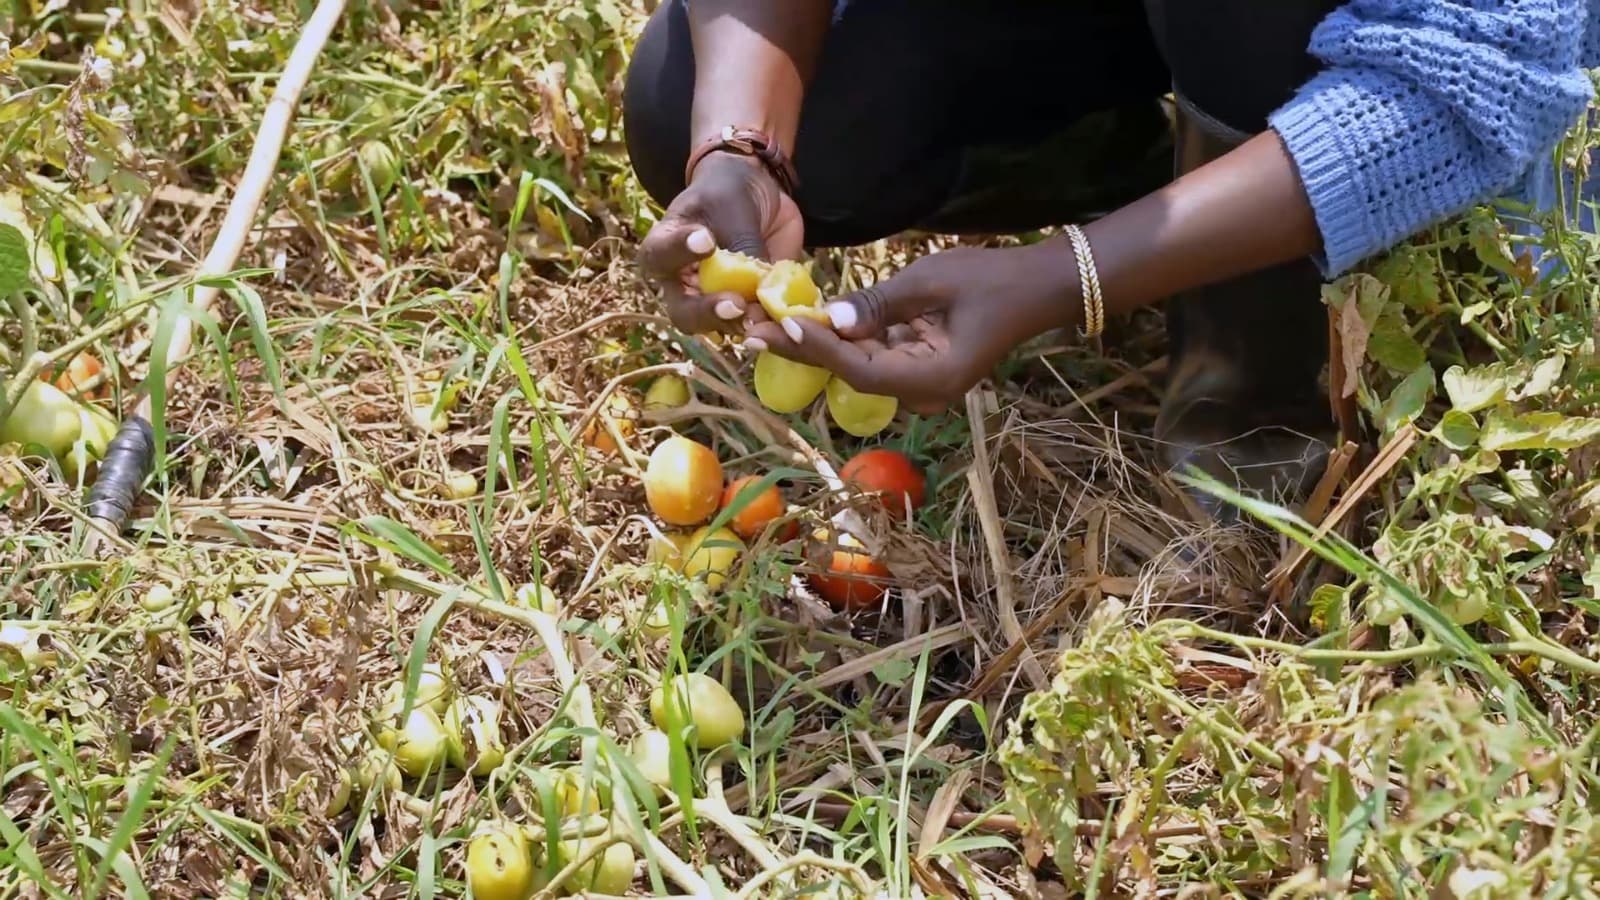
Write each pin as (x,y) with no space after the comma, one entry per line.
(1478,388)
(1408,399)
(1537,431)
(1488,239)
(1359,300)
(1457,430)
(1544,377)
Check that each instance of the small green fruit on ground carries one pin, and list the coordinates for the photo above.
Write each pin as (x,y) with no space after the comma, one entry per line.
(651,753)
(702,700)
(609,873)
(44,416)
(472,734)
(420,746)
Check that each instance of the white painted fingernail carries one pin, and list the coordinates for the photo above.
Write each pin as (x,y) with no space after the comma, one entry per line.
(792,329)
(755,344)
(727,309)
(843,315)
(701,241)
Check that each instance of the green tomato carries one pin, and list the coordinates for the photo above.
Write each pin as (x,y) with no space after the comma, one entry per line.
(651,753)
(45,416)
(609,873)
(472,730)
(702,700)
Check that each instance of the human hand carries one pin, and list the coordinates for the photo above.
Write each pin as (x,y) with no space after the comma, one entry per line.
(932,331)
(733,203)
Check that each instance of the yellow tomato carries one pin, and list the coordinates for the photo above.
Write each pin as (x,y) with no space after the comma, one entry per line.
(712,554)
(725,271)
(472,735)
(787,290)
(499,864)
(785,386)
(667,392)
(862,415)
(702,700)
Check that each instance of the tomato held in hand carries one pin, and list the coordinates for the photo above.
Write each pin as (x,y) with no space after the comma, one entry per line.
(891,475)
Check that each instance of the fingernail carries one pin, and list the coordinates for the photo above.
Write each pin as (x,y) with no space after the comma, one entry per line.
(843,315)
(727,309)
(792,329)
(755,344)
(701,241)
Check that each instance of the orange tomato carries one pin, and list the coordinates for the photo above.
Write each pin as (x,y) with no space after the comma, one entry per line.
(683,481)
(890,474)
(853,580)
(768,505)
(71,378)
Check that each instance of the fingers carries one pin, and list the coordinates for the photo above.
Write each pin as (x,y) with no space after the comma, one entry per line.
(694,313)
(871,311)
(673,245)
(867,365)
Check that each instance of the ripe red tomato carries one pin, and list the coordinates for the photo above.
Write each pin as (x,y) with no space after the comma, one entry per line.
(890,474)
(750,521)
(854,580)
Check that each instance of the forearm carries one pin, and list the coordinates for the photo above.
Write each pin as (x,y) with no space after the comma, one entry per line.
(1240,213)
(753,60)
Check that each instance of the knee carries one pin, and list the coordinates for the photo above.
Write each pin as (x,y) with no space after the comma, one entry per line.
(658,95)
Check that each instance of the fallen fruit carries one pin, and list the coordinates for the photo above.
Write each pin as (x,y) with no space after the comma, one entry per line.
(472,735)
(651,753)
(22,638)
(419,746)
(751,520)
(432,691)
(573,797)
(667,392)
(698,699)
(499,864)
(862,415)
(459,485)
(657,623)
(158,598)
(377,772)
(96,429)
(668,550)
(726,271)
(382,165)
(74,377)
(785,386)
(617,412)
(47,417)
(851,580)
(341,795)
(683,481)
(1465,609)
(538,596)
(712,554)
(787,290)
(890,474)
(610,873)
(429,421)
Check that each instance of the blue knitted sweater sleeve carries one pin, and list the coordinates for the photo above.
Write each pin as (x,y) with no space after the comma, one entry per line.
(1425,108)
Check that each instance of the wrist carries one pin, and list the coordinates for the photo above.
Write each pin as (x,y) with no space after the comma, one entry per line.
(1055,297)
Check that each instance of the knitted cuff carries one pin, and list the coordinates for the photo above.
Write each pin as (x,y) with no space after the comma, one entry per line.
(1329,172)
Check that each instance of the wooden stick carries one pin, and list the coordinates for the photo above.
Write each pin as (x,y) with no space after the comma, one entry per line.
(246,203)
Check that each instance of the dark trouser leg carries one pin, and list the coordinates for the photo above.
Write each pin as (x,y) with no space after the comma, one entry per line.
(944,115)
(1243,398)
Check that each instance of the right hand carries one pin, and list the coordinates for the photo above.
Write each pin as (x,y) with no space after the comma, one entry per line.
(735,203)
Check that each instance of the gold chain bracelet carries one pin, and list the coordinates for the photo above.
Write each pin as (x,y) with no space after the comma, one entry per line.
(1094,310)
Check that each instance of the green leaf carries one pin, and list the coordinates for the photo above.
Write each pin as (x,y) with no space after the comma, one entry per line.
(16,259)
(1488,239)
(1457,430)
(1412,276)
(1537,431)
(1479,388)
(1392,347)
(1408,399)
(382,531)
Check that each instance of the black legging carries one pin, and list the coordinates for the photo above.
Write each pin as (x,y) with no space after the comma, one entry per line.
(988,116)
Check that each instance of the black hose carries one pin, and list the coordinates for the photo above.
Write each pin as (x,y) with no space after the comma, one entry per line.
(128,459)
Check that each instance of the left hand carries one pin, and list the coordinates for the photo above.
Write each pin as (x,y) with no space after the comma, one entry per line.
(929,333)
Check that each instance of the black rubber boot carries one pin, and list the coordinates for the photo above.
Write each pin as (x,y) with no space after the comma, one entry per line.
(1244,399)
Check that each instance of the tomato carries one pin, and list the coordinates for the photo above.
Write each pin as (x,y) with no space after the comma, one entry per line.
(891,475)
(458,485)
(785,386)
(538,596)
(787,290)
(610,873)
(667,392)
(701,700)
(573,796)
(47,417)
(712,554)
(667,551)
(472,735)
(862,415)
(750,521)
(651,753)
(728,272)
(377,772)
(420,746)
(74,377)
(499,864)
(683,481)
(853,579)
(619,412)
(432,691)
